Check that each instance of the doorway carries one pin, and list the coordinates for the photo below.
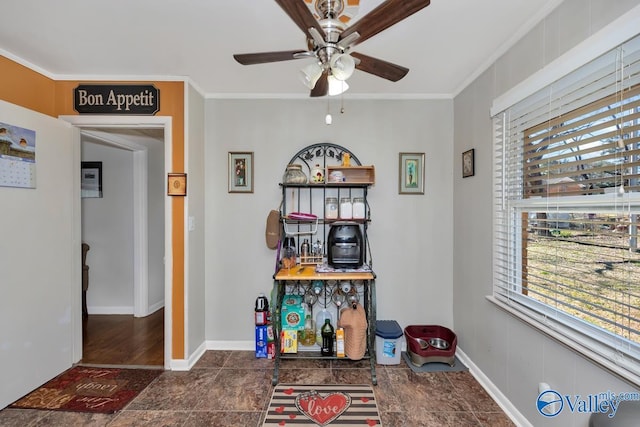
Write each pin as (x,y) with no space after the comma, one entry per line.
(149,318)
(124,230)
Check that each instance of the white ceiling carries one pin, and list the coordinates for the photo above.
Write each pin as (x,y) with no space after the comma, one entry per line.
(445,45)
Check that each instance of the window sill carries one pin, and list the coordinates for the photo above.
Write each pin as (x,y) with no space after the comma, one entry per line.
(569,339)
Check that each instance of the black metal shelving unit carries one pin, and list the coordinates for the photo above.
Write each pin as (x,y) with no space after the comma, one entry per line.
(299,280)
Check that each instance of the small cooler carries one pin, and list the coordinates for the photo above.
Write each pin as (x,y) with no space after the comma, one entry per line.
(388,342)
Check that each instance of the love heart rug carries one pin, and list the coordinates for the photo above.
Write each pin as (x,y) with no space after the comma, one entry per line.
(87,389)
(322,405)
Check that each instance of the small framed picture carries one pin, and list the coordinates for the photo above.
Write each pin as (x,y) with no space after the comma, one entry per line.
(240,172)
(177,184)
(468,163)
(91,180)
(411,173)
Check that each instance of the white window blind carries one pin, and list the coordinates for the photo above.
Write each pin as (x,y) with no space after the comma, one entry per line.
(567,199)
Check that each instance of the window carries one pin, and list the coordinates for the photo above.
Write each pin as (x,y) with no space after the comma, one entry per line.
(567,205)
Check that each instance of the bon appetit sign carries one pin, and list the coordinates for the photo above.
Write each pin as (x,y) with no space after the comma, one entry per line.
(116,99)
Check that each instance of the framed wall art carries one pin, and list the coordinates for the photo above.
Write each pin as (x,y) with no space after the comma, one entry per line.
(91,180)
(177,184)
(240,172)
(411,173)
(468,163)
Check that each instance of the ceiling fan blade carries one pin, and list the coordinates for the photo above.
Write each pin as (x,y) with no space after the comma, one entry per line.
(382,17)
(301,15)
(380,68)
(322,86)
(263,57)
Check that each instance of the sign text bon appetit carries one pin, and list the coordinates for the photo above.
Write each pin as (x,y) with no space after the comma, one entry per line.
(116,99)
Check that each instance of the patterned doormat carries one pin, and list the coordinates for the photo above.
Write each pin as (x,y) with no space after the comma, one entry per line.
(87,389)
(322,405)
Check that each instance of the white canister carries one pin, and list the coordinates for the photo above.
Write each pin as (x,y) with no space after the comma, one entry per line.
(331,208)
(316,175)
(346,208)
(359,209)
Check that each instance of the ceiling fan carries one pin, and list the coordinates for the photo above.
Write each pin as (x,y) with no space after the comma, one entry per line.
(329,42)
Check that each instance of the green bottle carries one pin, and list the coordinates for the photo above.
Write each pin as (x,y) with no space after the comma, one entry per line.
(327,339)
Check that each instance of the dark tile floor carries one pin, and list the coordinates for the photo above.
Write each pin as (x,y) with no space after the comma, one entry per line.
(233,388)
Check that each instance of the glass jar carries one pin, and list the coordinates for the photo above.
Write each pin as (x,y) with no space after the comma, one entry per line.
(294,175)
(331,208)
(288,260)
(359,210)
(346,208)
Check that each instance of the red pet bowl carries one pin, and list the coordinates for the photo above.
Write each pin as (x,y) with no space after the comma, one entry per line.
(430,343)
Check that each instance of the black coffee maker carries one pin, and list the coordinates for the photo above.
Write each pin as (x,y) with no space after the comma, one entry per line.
(344,245)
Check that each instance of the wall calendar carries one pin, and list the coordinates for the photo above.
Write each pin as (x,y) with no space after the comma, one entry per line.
(17,156)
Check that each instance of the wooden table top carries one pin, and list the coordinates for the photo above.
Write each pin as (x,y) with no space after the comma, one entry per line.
(308,272)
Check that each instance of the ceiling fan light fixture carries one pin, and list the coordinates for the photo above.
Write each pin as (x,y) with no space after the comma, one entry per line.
(310,74)
(342,66)
(336,87)
(328,119)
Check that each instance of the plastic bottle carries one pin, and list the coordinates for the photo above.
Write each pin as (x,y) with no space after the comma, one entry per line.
(309,338)
(327,339)
(261,310)
(317,287)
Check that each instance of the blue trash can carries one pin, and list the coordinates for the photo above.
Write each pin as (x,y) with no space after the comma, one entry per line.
(389,338)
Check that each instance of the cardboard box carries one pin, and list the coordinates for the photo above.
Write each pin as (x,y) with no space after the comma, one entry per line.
(340,342)
(292,313)
(289,341)
(261,342)
(271,350)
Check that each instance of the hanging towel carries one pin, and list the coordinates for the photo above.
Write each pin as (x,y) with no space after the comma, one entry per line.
(354,321)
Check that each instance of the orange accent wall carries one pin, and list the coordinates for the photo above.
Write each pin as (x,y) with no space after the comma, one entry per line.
(22,86)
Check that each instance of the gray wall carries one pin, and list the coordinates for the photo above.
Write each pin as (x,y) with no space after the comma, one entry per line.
(410,234)
(195,309)
(513,356)
(107,226)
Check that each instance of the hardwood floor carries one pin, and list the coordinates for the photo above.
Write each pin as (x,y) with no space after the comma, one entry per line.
(123,340)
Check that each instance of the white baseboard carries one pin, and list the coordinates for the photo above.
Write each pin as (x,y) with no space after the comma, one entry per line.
(122,310)
(155,307)
(187,364)
(510,410)
(110,310)
(231,345)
